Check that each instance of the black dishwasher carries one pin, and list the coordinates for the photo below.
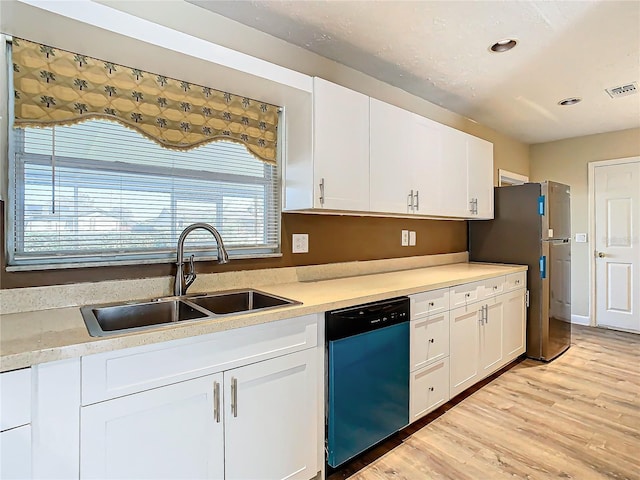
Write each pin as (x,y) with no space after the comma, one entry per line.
(368,376)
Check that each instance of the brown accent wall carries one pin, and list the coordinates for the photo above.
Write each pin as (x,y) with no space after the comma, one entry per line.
(332,239)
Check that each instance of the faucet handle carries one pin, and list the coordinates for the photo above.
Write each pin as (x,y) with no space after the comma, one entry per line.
(190,274)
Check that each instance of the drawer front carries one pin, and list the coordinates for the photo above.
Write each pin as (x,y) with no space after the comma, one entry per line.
(429,339)
(515,281)
(429,388)
(428,303)
(15,398)
(466,293)
(493,286)
(122,372)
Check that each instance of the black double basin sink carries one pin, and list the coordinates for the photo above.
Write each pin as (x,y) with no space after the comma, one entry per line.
(118,318)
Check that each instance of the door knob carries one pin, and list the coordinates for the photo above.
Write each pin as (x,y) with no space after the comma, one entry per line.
(601,255)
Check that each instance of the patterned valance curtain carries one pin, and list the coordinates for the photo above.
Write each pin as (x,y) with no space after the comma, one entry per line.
(56,87)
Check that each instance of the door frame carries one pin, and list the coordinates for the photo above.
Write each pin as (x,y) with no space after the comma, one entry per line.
(592,228)
(506,178)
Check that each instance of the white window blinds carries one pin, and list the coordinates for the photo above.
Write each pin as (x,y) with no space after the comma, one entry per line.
(99,192)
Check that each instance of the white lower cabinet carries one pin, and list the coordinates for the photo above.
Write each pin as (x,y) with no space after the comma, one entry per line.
(249,421)
(15,424)
(513,336)
(167,432)
(429,389)
(485,336)
(15,453)
(429,339)
(270,426)
(429,352)
(465,347)
(255,421)
(490,336)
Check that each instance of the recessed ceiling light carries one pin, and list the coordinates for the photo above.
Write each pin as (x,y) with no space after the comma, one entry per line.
(569,101)
(503,45)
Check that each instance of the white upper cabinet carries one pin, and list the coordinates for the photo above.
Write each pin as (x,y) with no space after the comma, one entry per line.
(334,174)
(370,156)
(480,177)
(466,174)
(404,148)
(340,147)
(391,159)
(452,172)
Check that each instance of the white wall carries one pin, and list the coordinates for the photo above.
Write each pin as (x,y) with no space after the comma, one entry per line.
(566,161)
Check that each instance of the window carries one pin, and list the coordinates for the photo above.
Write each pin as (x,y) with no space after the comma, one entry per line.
(109,163)
(98,191)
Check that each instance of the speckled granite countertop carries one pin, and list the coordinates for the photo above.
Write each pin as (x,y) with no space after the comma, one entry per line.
(35,337)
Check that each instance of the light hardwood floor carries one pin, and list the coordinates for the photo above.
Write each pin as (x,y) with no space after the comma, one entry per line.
(577,417)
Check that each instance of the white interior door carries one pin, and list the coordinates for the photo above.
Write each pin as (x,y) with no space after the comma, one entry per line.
(617,245)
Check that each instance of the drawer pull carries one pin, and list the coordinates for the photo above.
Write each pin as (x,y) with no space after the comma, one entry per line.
(431,304)
(467,295)
(431,340)
(495,287)
(517,282)
(431,389)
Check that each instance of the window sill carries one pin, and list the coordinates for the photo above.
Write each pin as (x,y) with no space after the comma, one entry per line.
(119,263)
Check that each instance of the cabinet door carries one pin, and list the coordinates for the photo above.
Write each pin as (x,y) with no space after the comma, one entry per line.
(463,353)
(429,339)
(427,165)
(169,432)
(491,337)
(429,388)
(340,147)
(270,411)
(514,324)
(453,174)
(15,453)
(391,177)
(480,176)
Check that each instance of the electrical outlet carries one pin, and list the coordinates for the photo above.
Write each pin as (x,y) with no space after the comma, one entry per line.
(581,238)
(300,243)
(405,238)
(412,239)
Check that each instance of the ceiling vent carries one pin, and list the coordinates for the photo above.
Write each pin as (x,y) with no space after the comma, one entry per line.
(623,90)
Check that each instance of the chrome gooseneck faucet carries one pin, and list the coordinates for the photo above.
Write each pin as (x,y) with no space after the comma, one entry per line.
(185,279)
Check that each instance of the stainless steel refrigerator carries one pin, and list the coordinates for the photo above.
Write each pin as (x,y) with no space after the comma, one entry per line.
(532,226)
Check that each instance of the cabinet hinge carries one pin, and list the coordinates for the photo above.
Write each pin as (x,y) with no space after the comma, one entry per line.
(526,298)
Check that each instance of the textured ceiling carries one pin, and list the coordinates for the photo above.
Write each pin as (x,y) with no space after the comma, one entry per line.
(438,50)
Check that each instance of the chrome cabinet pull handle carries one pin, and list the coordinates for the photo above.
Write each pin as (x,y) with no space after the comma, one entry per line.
(410,201)
(322,191)
(216,401)
(417,206)
(234,396)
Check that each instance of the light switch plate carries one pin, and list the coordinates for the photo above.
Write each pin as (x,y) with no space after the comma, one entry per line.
(300,243)
(412,239)
(581,238)
(405,238)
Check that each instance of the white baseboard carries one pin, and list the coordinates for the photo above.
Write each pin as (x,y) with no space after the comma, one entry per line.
(581,319)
